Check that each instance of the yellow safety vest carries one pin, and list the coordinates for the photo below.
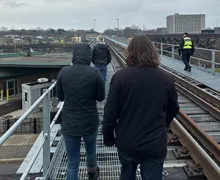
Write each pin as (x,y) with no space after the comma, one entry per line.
(187,43)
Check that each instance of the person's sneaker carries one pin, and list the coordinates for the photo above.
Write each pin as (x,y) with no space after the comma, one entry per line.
(94,175)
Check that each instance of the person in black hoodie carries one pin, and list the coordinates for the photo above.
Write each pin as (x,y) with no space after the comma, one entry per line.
(101,56)
(142,102)
(80,86)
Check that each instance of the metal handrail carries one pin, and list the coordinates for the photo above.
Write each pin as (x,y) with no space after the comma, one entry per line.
(45,97)
(212,59)
(175,45)
(30,164)
(12,129)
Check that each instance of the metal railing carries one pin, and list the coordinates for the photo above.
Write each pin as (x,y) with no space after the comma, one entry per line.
(45,98)
(205,59)
(45,144)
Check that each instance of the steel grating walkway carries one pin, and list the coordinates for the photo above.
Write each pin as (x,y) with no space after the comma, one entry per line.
(107,156)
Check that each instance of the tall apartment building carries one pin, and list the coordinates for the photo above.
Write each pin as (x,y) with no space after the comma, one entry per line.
(180,23)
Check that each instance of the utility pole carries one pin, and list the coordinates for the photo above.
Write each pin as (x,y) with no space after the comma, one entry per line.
(118,25)
(94,24)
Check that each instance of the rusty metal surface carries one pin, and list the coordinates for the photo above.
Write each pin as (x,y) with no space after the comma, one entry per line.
(210,169)
(197,131)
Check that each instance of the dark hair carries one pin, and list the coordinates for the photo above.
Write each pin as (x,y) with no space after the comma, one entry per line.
(141,52)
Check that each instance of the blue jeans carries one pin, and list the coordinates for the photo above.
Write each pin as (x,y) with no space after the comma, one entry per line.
(73,153)
(103,71)
(151,169)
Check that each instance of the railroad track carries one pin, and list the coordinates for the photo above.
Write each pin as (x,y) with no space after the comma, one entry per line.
(194,137)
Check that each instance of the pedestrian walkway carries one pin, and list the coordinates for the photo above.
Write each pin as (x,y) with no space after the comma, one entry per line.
(210,80)
(198,74)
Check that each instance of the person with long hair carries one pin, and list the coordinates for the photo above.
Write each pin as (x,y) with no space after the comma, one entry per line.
(80,86)
(142,101)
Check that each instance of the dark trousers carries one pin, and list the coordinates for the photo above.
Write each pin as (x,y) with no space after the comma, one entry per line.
(185,59)
(103,71)
(150,169)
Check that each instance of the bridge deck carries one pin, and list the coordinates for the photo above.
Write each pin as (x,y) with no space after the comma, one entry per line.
(107,157)
(108,160)
(198,74)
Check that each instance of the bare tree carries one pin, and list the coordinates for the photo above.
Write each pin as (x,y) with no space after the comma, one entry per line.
(4,29)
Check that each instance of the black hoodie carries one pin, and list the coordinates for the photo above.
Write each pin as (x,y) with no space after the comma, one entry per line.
(101,55)
(80,86)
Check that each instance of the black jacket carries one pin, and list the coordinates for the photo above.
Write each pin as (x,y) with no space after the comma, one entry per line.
(101,55)
(80,86)
(185,51)
(141,103)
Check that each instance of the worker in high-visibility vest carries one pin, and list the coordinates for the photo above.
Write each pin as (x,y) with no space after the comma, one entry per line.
(186,49)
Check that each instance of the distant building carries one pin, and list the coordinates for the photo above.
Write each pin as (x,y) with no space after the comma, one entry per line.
(217,30)
(76,39)
(161,30)
(180,23)
(91,35)
(208,31)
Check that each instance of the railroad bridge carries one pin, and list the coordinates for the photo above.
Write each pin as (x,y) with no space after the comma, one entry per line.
(193,138)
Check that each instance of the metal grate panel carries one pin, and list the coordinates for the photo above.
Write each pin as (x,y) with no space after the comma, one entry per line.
(107,160)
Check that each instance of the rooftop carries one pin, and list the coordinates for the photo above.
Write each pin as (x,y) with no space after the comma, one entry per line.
(43,61)
(6,72)
(37,83)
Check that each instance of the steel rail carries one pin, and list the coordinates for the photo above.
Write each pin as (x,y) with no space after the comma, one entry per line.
(210,168)
(208,142)
(197,90)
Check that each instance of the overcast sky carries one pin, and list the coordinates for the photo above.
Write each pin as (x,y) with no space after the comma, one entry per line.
(80,14)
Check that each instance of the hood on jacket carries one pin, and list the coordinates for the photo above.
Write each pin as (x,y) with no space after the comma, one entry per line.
(82,54)
(101,46)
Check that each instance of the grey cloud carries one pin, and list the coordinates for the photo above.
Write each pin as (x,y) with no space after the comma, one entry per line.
(14,3)
(74,14)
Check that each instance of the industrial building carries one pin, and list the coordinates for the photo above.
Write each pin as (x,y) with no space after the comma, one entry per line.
(11,78)
(180,23)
